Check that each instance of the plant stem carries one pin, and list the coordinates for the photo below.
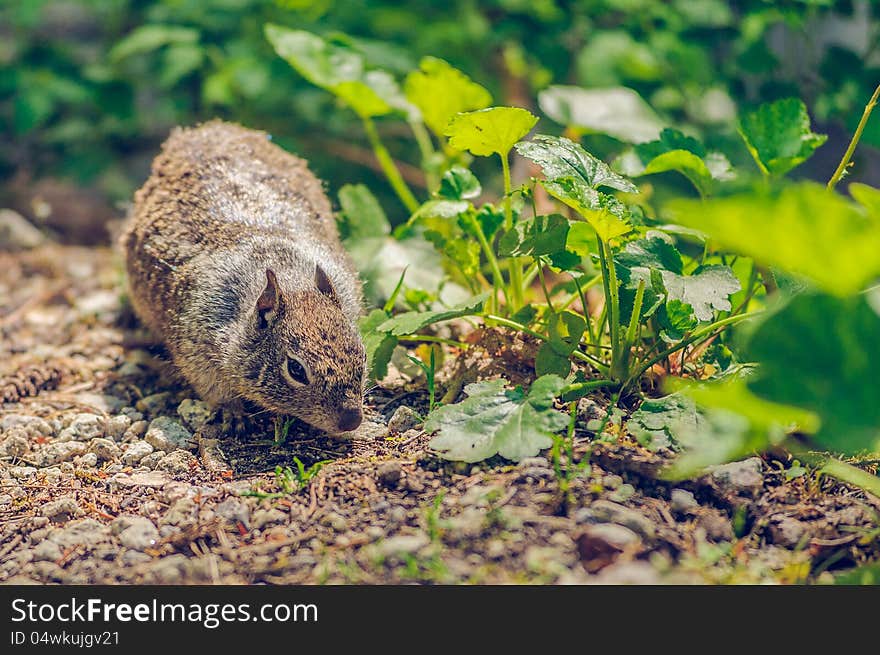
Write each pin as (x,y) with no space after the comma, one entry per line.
(544,289)
(630,337)
(497,277)
(696,336)
(515,297)
(589,385)
(389,168)
(612,302)
(426,149)
(847,156)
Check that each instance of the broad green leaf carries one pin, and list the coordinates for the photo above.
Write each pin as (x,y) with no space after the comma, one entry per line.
(364,229)
(656,422)
(459,183)
(541,235)
(619,112)
(605,214)
(735,423)
(778,135)
(653,252)
(868,197)
(148,38)
(550,362)
(446,209)
(180,60)
(686,163)
(362,217)
(734,395)
(670,139)
(411,322)
(822,353)
(706,290)
(561,157)
(489,131)
(361,98)
(805,229)
(338,69)
(441,91)
(378,345)
(493,420)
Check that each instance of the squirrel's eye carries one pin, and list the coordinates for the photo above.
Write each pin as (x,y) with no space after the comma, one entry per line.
(297,371)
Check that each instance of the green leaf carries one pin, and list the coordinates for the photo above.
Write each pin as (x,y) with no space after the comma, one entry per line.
(653,252)
(445,209)
(441,91)
(686,163)
(806,229)
(541,235)
(867,196)
(705,290)
(494,420)
(147,38)
(822,353)
(377,344)
(361,98)
(605,214)
(459,183)
(338,69)
(735,423)
(778,135)
(656,422)
(670,139)
(489,131)
(550,362)
(411,322)
(561,157)
(619,112)
(362,216)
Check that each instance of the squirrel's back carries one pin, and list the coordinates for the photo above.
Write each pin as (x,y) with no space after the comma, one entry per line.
(225,210)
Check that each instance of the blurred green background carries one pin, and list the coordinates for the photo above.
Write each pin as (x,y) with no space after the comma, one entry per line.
(89,88)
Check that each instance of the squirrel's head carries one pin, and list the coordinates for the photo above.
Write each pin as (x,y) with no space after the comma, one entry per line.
(305,355)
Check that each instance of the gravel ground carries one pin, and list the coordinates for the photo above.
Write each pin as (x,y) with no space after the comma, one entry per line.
(112,471)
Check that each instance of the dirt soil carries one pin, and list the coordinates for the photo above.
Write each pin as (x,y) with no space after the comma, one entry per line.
(112,471)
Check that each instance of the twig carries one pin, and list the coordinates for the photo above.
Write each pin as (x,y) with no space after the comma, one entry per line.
(844,163)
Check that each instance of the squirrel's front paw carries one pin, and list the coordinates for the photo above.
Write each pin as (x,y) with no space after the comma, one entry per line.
(234,420)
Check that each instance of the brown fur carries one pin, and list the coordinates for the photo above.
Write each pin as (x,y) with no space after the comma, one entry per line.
(224,208)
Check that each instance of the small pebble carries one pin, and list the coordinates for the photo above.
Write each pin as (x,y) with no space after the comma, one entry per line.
(135,452)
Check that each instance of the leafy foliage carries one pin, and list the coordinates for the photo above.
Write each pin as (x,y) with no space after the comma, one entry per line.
(489,131)
(779,137)
(441,91)
(618,112)
(803,229)
(826,369)
(495,420)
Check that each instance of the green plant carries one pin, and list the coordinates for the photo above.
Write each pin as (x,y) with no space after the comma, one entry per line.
(289,480)
(673,277)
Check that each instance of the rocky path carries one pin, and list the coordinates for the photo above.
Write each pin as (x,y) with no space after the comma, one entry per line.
(111,471)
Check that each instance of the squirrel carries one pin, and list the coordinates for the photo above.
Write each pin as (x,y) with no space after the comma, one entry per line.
(234,261)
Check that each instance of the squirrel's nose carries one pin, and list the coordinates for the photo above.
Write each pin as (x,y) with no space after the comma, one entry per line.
(349,419)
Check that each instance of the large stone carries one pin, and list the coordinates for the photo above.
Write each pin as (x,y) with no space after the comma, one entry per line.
(16,233)
(740,478)
(604,511)
(167,434)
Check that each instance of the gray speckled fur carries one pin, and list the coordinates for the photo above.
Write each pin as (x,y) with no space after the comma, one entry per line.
(223,205)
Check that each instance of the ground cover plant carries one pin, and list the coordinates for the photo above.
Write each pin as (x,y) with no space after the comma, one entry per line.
(611,336)
(795,259)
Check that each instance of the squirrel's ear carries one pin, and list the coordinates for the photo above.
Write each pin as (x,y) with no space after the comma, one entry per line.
(324,285)
(269,301)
